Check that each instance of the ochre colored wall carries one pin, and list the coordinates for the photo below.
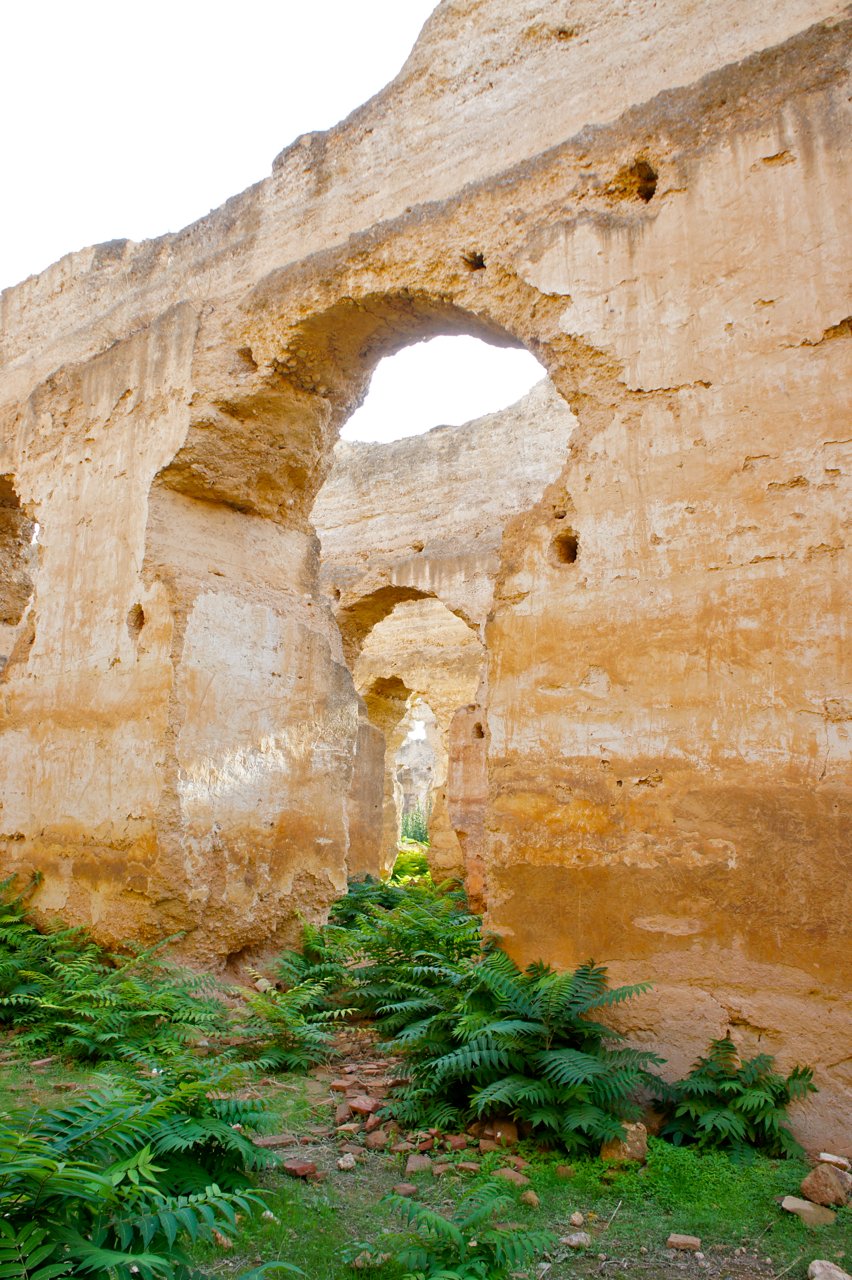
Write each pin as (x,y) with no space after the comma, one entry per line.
(664,220)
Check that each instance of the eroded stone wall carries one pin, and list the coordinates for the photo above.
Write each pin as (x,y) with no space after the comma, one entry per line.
(664,220)
(427,652)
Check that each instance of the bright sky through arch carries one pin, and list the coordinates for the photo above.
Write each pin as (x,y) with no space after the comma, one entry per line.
(441,382)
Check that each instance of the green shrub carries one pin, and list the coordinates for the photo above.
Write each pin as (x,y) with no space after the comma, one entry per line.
(733,1104)
(360,898)
(115,1183)
(415,826)
(408,956)
(411,864)
(467,1245)
(522,1044)
(61,991)
(293,1027)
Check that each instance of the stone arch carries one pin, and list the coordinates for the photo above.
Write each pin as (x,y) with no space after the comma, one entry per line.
(420,651)
(230,548)
(357,618)
(277,380)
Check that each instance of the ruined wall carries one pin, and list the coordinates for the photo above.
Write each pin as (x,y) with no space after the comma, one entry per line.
(664,220)
(426,651)
(409,531)
(424,516)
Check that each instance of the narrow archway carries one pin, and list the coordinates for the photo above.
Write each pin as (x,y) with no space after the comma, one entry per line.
(230,552)
(419,663)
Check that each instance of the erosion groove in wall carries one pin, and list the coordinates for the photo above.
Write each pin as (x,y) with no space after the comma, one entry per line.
(650,551)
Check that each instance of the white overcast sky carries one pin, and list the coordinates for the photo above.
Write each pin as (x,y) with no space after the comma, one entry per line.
(129,121)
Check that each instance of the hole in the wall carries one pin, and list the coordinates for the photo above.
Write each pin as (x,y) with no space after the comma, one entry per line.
(475,261)
(443,381)
(636,181)
(646,180)
(245,354)
(478,731)
(564,547)
(135,621)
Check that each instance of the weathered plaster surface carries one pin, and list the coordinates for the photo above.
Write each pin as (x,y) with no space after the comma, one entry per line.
(663,776)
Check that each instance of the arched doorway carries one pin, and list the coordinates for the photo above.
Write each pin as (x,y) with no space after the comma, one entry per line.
(419,664)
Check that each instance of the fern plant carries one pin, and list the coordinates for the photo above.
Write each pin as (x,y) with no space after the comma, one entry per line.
(294,1026)
(524,1044)
(410,864)
(727,1103)
(470,1244)
(361,896)
(60,990)
(119,1182)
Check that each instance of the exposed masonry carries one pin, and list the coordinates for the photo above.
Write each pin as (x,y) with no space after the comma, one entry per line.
(653,767)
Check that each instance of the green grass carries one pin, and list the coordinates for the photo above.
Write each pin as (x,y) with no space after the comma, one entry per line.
(314,1224)
(22,1086)
(629,1212)
(727,1204)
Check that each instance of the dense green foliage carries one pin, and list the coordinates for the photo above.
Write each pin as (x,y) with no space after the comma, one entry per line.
(480,1036)
(61,990)
(292,1023)
(122,1181)
(726,1103)
(469,1244)
(116,1183)
(415,826)
(521,1043)
(411,864)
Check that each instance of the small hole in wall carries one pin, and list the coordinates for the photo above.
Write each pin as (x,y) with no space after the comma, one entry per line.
(559,514)
(417,546)
(634,181)
(245,354)
(564,547)
(478,731)
(135,621)
(337,593)
(475,261)
(646,180)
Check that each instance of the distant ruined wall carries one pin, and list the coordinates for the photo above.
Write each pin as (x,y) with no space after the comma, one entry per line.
(423,649)
(663,219)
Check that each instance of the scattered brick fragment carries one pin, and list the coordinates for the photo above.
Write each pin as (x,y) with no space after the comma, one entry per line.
(688,1244)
